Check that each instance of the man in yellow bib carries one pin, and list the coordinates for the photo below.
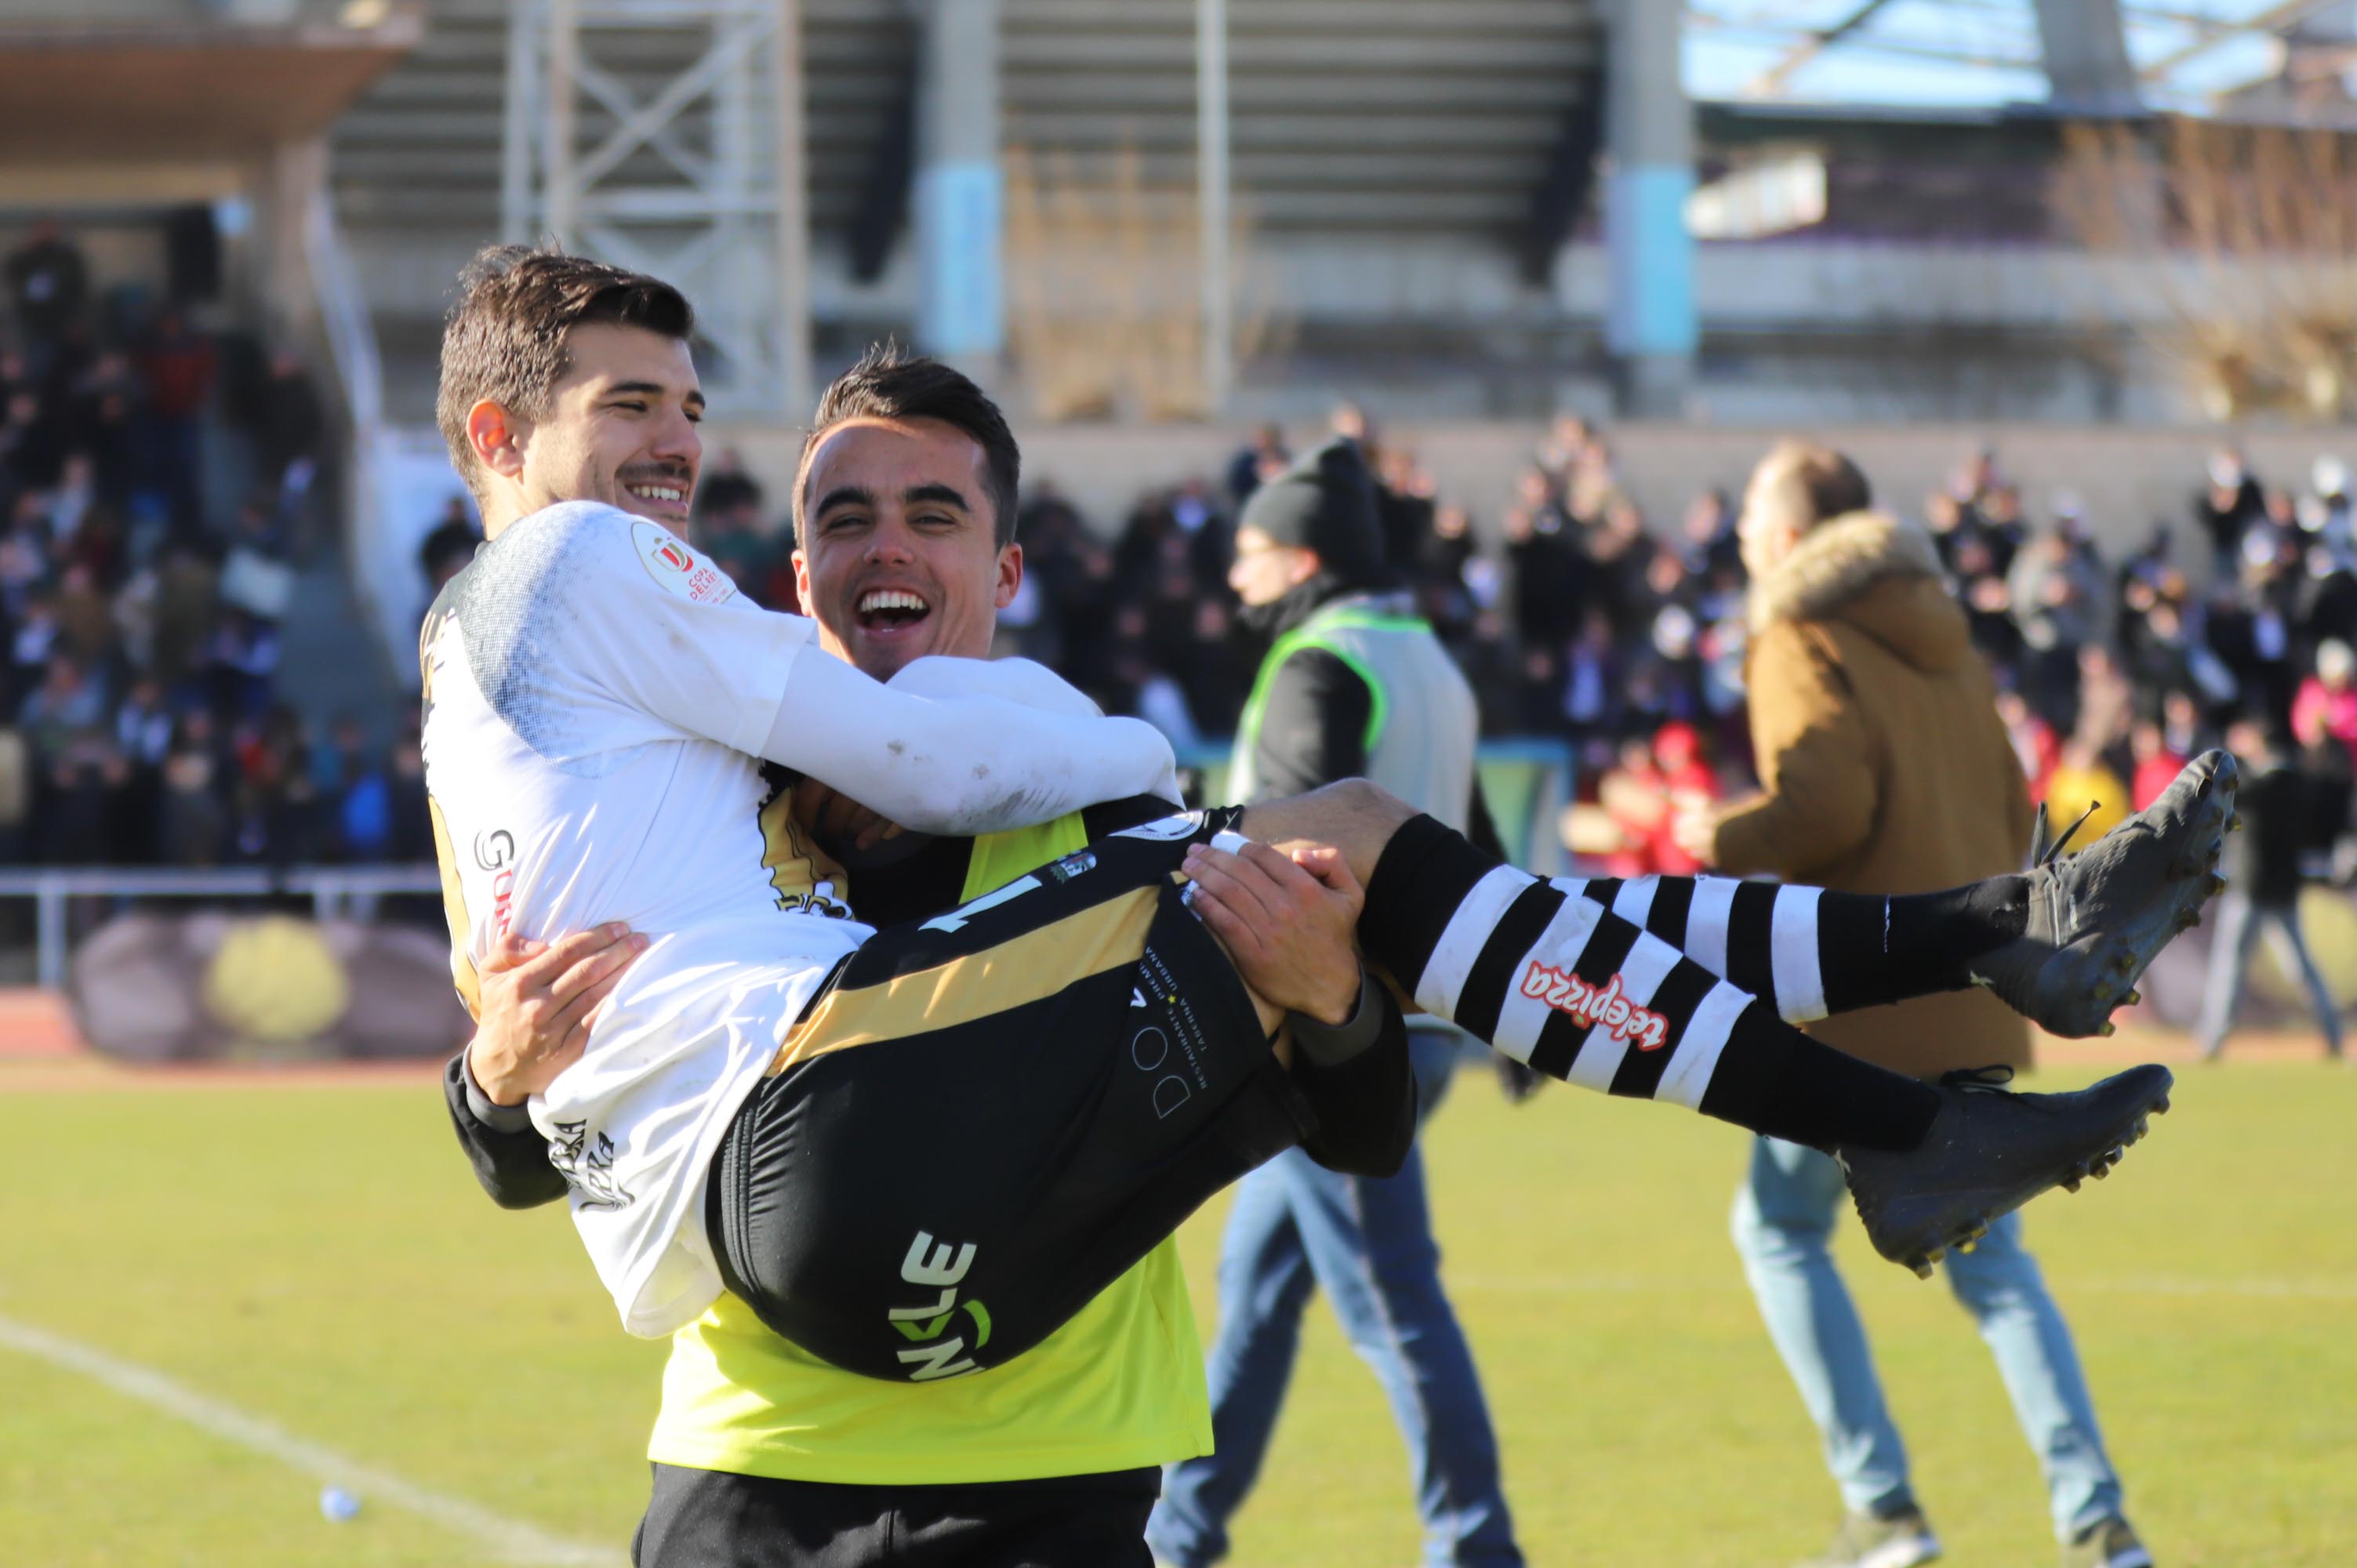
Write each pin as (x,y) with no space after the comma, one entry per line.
(764,1454)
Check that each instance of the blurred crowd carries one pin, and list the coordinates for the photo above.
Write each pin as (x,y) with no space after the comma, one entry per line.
(140,610)
(1570,620)
(158,486)
(1577,619)
(2118,670)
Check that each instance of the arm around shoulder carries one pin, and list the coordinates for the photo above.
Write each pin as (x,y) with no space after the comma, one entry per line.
(1024,681)
(963,764)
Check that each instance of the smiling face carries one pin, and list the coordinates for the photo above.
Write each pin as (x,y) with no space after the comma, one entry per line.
(619,428)
(899,554)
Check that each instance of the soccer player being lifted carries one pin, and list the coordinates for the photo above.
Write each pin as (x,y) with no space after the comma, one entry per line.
(967,1125)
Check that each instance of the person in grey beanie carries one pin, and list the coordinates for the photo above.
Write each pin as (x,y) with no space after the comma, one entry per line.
(1353,685)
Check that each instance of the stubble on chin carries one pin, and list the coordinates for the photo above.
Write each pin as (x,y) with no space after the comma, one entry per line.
(883,665)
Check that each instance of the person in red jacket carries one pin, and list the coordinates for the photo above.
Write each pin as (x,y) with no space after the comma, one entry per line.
(1687,785)
(2156,764)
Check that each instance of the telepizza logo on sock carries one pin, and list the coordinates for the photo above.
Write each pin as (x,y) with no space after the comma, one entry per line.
(1589,1005)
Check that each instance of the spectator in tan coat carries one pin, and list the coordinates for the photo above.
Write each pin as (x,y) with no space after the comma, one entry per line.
(1886,769)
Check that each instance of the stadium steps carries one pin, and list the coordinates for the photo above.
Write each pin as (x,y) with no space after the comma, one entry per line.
(1349,117)
(1352,118)
(328,662)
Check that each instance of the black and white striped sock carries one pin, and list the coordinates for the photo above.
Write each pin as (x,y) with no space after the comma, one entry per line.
(1556,979)
(1763,937)
(1808,952)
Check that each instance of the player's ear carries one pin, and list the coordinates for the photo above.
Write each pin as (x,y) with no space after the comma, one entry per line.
(1010,575)
(803,595)
(497,438)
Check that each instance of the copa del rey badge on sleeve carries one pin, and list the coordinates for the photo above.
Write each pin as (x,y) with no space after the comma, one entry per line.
(678,569)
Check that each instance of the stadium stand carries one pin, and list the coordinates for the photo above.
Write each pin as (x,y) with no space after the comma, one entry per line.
(178,625)
(1435,127)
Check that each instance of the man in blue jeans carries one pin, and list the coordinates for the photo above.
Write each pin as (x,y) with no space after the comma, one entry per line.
(1784,1219)
(1295,1228)
(1353,685)
(1886,769)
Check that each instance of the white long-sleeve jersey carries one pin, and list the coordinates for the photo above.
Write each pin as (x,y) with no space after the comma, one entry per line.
(598,701)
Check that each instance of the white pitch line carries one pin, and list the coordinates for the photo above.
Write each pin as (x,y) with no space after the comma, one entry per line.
(512,1540)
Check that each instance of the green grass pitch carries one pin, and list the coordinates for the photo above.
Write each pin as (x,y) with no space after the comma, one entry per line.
(319,1258)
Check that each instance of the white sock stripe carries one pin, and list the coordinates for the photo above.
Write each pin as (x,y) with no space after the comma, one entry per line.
(1799,979)
(1598,1061)
(1688,1074)
(1635,899)
(1649,964)
(1521,1017)
(1572,886)
(1602,1052)
(1706,918)
(1469,930)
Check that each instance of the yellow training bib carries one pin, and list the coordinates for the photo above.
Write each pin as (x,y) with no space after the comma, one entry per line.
(1118,1386)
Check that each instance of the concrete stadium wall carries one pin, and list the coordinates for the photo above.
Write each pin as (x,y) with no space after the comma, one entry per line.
(2127,477)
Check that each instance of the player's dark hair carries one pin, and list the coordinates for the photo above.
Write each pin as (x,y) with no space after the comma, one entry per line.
(887,383)
(504,340)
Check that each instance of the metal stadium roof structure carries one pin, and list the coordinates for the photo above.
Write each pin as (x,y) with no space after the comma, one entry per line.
(2199,56)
